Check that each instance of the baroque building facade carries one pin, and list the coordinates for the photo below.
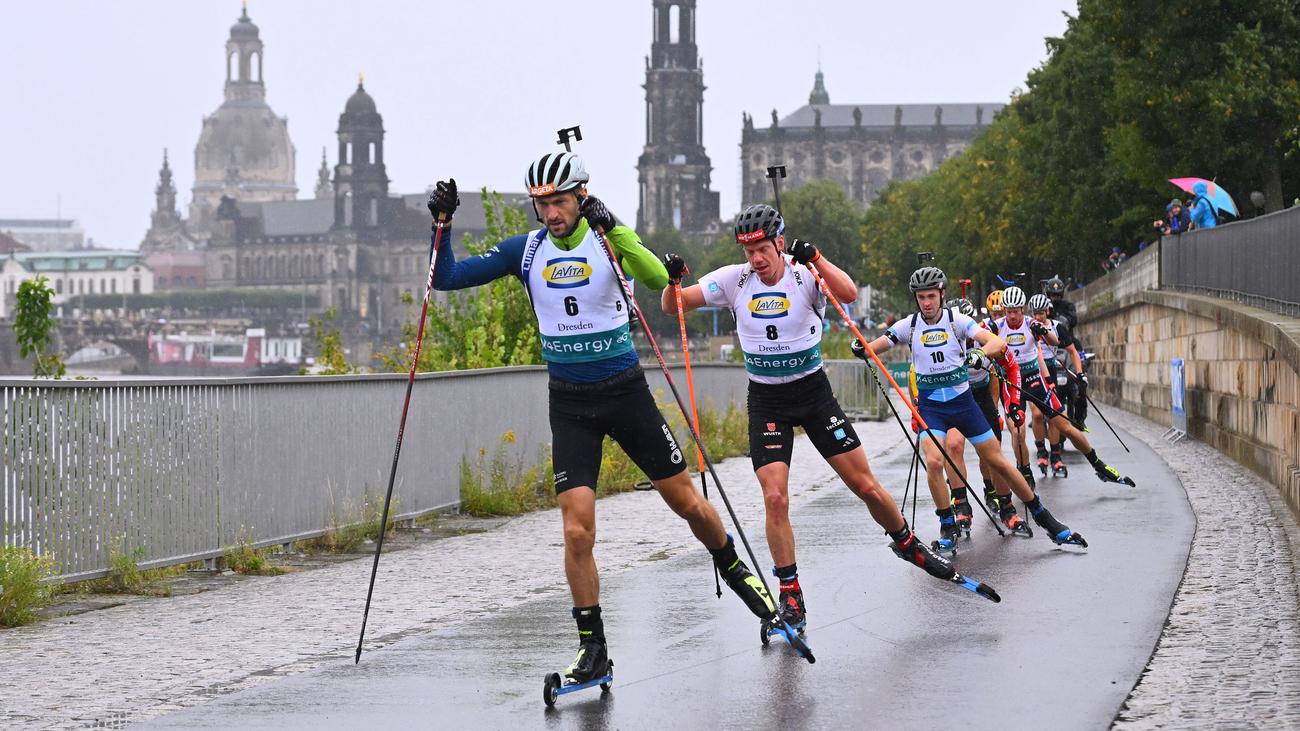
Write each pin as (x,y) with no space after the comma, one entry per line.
(862,147)
(673,172)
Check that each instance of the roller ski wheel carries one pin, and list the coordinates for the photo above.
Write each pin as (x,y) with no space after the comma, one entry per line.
(556,685)
(1106,473)
(777,627)
(1014,523)
(1059,469)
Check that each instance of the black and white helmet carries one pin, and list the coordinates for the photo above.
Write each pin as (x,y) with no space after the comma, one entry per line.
(758,222)
(927,278)
(556,172)
(1039,303)
(965,307)
(1013,297)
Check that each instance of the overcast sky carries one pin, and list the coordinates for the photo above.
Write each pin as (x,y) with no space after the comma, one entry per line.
(93,91)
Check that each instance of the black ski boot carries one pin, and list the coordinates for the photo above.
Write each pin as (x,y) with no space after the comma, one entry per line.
(592,662)
(1028,473)
(1058,465)
(1011,518)
(1106,473)
(1042,459)
(991,498)
(913,550)
(792,607)
(961,506)
(949,534)
(1056,530)
(750,590)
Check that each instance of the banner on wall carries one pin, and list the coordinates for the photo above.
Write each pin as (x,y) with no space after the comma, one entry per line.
(1177,384)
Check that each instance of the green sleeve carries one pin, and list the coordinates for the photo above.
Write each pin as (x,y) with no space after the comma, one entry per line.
(639,262)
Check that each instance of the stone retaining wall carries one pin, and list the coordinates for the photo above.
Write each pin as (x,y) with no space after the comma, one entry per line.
(1241,369)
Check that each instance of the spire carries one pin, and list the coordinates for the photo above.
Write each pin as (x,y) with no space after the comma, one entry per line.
(244,60)
(165,192)
(324,188)
(819,95)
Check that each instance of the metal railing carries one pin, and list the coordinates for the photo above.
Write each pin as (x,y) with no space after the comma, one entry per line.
(183,469)
(1139,273)
(1256,262)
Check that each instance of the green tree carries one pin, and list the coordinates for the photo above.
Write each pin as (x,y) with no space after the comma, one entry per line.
(331,356)
(822,213)
(34,328)
(485,327)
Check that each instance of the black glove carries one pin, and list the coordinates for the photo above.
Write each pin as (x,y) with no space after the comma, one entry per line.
(1015,413)
(676,267)
(1083,379)
(802,252)
(1038,329)
(596,213)
(975,358)
(859,350)
(443,198)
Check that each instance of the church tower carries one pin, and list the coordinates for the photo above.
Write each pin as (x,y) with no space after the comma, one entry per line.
(360,179)
(244,151)
(673,170)
(166,229)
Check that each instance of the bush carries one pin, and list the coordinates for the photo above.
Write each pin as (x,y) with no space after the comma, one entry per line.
(350,529)
(22,585)
(244,559)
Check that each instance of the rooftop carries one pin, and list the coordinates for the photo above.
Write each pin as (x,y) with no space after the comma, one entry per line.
(882,115)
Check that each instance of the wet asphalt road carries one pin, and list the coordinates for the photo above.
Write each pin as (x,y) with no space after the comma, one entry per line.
(895,648)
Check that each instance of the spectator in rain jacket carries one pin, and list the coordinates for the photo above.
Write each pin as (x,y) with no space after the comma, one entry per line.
(1203,212)
(1176,219)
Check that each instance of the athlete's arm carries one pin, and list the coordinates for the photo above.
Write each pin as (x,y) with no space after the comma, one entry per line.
(839,283)
(1048,335)
(497,262)
(991,344)
(692,298)
(639,262)
(1074,356)
(880,344)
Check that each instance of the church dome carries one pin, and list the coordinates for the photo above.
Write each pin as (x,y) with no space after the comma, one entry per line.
(243,29)
(360,102)
(245,140)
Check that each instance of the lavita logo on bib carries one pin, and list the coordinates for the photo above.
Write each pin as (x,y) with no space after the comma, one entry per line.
(769,305)
(1016,339)
(934,338)
(567,272)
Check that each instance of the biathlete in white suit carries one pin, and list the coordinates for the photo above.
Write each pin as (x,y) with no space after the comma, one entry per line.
(778,308)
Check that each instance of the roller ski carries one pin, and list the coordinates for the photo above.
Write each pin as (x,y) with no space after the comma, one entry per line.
(1042,461)
(949,535)
(755,595)
(1011,519)
(1056,530)
(914,551)
(1106,473)
(961,507)
(1058,466)
(591,668)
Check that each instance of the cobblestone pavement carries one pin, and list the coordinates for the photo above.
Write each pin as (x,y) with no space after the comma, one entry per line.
(114,666)
(1229,657)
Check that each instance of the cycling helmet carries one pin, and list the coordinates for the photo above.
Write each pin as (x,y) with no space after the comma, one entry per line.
(758,222)
(556,172)
(994,302)
(1013,297)
(1039,303)
(965,307)
(1054,287)
(927,278)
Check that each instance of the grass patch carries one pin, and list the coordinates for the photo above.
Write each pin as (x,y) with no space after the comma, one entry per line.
(22,585)
(242,558)
(502,482)
(126,577)
(350,529)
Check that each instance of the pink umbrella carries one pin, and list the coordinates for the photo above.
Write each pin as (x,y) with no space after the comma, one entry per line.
(1217,195)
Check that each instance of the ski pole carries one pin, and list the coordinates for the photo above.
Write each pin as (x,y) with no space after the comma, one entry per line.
(775,172)
(438,225)
(915,444)
(1047,409)
(695,415)
(1099,412)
